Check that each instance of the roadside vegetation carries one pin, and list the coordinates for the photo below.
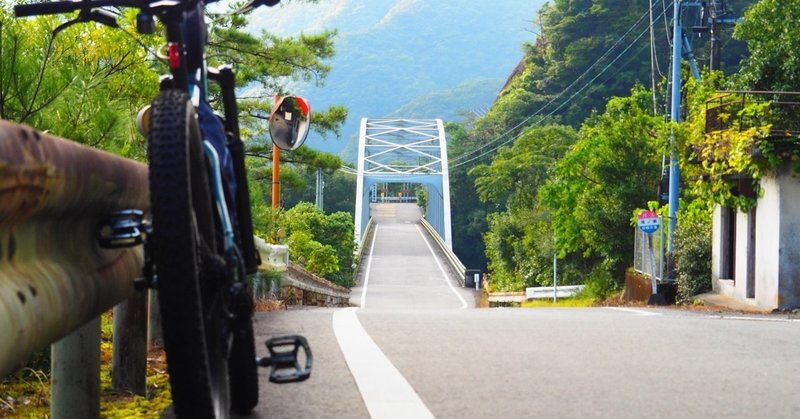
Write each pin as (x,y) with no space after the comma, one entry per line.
(552,169)
(562,302)
(26,394)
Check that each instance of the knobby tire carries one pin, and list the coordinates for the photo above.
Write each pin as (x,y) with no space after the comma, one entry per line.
(185,247)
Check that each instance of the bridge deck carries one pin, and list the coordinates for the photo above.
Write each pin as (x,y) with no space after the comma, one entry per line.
(402,268)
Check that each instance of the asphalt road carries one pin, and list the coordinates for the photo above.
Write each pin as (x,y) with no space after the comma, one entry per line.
(459,362)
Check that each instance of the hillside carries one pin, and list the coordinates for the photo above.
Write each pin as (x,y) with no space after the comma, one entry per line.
(431,59)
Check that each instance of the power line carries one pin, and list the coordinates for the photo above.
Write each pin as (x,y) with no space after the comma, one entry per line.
(541,109)
(584,87)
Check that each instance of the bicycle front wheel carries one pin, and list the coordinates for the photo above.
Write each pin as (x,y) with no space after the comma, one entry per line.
(185,254)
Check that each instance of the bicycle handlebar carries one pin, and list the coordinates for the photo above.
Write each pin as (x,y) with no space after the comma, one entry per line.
(51,8)
(67,6)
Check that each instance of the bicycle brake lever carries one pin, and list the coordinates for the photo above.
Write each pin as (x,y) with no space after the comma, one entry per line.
(98,15)
(103,17)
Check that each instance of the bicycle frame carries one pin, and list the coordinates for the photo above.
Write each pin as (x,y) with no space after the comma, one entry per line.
(217,307)
(197,89)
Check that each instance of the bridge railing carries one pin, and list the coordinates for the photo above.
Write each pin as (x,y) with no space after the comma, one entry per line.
(366,235)
(452,260)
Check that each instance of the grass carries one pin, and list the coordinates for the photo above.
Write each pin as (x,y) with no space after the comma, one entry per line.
(562,302)
(26,394)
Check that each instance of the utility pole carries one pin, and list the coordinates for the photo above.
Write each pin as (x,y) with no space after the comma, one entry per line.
(675,116)
(320,190)
(276,177)
(717,21)
(714,63)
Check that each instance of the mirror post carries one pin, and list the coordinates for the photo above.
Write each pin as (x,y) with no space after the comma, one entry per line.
(276,176)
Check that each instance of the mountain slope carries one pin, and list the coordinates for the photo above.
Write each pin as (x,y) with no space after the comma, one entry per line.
(392,53)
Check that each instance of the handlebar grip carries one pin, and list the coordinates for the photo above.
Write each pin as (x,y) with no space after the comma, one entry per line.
(50,8)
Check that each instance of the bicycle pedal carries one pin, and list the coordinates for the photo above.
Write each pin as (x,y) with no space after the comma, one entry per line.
(284,359)
(125,228)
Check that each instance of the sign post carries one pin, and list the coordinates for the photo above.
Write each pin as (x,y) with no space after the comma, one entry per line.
(649,222)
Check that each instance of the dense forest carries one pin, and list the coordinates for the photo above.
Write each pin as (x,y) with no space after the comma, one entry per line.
(576,141)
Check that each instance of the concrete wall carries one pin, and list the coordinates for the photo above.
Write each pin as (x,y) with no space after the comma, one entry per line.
(716,248)
(741,254)
(789,252)
(776,244)
(768,220)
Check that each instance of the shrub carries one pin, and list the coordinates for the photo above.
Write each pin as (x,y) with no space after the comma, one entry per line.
(318,258)
(599,285)
(692,253)
(322,243)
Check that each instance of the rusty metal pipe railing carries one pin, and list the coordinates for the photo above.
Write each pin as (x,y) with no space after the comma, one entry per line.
(55,195)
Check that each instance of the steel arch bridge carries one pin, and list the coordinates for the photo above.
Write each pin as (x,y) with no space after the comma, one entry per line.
(404,151)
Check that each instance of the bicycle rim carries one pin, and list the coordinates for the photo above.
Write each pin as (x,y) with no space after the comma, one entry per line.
(184,248)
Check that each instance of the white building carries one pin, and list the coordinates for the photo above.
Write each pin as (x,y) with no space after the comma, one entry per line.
(756,254)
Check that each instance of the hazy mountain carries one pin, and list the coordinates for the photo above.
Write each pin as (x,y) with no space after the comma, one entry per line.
(410,58)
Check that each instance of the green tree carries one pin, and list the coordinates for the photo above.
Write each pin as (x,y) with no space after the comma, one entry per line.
(518,242)
(693,250)
(323,243)
(264,63)
(468,214)
(85,84)
(771,32)
(612,169)
(340,192)
(316,257)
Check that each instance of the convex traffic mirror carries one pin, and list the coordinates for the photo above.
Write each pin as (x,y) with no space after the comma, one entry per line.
(289,122)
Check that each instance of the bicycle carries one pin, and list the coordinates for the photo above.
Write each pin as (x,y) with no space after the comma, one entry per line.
(199,246)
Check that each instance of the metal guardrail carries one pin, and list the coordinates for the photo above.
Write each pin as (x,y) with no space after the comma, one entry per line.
(451,257)
(366,234)
(562,291)
(55,195)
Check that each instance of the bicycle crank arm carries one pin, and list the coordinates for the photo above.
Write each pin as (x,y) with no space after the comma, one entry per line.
(284,361)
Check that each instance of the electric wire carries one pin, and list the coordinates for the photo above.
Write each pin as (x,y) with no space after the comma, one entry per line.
(653,39)
(584,87)
(574,82)
(666,21)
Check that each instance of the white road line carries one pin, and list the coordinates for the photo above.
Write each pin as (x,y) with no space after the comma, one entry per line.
(444,273)
(633,310)
(386,393)
(369,268)
(754,319)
